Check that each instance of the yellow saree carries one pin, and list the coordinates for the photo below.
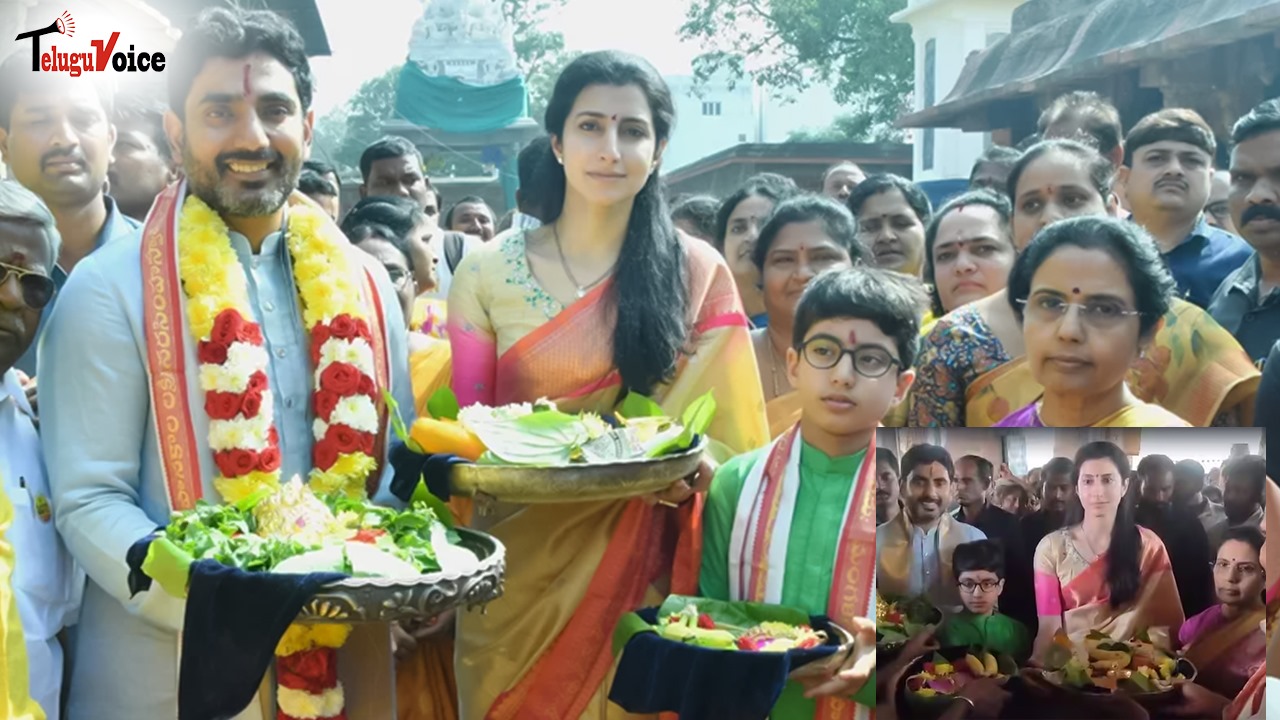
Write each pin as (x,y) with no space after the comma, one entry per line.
(1194,368)
(1075,589)
(573,569)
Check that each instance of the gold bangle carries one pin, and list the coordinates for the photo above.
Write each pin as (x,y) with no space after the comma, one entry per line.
(972,707)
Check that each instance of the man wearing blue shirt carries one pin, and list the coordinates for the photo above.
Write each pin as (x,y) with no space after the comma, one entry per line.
(131,419)
(1248,302)
(1166,177)
(56,135)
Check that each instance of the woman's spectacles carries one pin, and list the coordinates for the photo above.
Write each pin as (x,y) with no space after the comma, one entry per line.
(825,352)
(987,586)
(37,288)
(1101,313)
(1245,568)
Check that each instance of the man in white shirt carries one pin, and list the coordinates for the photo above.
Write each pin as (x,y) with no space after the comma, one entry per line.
(47,582)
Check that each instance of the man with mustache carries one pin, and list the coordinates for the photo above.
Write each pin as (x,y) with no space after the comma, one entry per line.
(1244,489)
(1183,535)
(238,289)
(1248,302)
(1167,171)
(887,503)
(1058,476)
(56,135)
(913,552)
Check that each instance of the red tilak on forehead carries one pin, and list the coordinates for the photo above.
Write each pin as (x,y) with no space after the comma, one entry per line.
(247,90)
(1075,291)
(853,338)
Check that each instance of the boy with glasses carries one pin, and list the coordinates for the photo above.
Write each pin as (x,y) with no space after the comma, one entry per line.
(792,524)
(980,575)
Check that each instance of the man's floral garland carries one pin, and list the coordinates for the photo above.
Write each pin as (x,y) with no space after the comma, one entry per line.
(238,400)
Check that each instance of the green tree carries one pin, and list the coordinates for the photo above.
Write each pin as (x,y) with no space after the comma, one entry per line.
(852,127)
(540,53)
(848,43)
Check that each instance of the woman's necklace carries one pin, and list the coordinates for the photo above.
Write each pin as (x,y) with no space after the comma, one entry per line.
(1089,543)
(773,363)
(581,289)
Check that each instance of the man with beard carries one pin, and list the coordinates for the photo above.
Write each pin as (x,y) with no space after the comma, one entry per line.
(1248,302)
(1244,481)
(1184,538)
(887,505)
(913,551)
(249,282)
(56,137)
(1059,480)
(1165,179)
(1188,492)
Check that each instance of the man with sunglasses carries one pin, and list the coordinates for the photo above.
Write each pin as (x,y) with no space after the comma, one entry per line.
(56,136)
(854,339)
(43,577)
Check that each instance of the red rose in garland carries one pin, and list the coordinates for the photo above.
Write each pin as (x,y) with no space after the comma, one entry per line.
(340,378)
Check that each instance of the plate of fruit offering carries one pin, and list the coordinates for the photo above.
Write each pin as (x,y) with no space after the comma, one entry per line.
(537,452)
(1141,666)
(899,618)
(934,680)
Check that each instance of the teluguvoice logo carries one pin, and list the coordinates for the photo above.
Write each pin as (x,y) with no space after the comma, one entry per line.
(103,57)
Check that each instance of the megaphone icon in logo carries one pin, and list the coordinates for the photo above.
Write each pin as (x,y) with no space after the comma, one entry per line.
(63,25)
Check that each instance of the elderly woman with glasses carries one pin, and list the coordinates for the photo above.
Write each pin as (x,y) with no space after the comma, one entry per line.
(39,582)
(1090,293)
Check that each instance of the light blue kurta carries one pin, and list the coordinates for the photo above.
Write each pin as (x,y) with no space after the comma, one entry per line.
(101,448)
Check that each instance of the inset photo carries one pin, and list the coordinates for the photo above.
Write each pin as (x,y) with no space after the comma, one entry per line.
(1070,573)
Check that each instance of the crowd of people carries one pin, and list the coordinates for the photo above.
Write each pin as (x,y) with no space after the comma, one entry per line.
(139,241)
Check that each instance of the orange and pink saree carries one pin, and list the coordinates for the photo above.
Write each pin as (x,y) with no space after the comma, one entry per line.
(1076,589)
(543,650)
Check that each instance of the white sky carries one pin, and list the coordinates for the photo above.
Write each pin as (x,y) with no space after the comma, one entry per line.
(646,27)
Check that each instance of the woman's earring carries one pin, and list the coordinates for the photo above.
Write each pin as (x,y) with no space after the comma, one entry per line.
(560,159)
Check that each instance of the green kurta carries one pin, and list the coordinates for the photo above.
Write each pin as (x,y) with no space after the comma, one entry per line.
(825,485)
(996,633)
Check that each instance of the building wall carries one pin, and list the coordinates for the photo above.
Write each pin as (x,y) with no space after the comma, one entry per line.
(945,33)
(709,119)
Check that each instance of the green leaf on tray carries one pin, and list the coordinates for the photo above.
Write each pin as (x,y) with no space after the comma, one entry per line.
(397,423)
(422,495)
(939,660)
(889,636)
(443,405)
(735,614)
(548,437)
(629,625)
(695,420)
(1136,683)
(636,405)
(1006,665)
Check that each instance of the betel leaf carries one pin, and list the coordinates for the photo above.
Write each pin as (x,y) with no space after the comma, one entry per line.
(635,405)
(443,405)
(742,615)
(397,424)
(1137,682)
(696,419)
(939,660)
(547,437)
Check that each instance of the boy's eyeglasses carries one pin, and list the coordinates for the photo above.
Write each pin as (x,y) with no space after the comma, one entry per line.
(824,352)
(987,586)
(37,288)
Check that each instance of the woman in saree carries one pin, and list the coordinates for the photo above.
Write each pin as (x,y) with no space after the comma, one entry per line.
(738,224)
(1103,571)
(806,236)
(1090,293)
(972,369)
(604,299)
